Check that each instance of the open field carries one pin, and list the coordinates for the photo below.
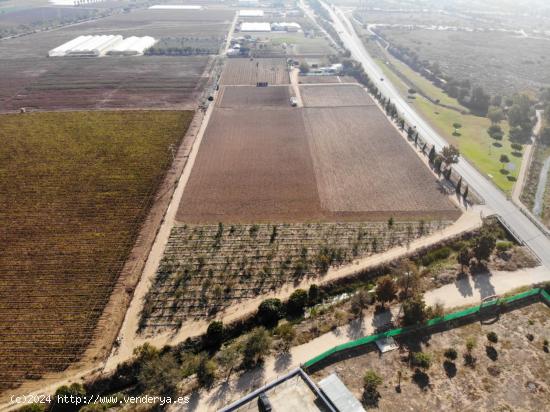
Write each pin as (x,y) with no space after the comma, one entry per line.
(335,96)
(251,71)
(369,167)
(76,188)
(207,268)
(502,63)
(473,142)
(509,375)
(80,83)
(325,79)
(233,97)
(253,165)
(30,79)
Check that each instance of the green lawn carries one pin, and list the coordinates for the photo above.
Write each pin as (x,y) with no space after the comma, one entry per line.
(474,142)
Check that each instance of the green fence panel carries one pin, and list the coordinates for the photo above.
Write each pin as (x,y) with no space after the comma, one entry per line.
(432,322)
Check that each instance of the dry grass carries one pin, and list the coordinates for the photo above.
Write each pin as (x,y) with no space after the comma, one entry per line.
(335,96)
(234,97)
(249,72)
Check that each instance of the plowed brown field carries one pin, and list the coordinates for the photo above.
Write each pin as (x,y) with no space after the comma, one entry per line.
(336,95)
(252,96)
(250,72)
(369,167)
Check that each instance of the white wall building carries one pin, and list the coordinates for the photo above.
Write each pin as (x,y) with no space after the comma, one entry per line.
(255,27)
(132,46)
(251,13)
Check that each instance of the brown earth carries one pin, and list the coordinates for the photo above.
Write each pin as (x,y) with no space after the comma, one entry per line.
(233,97)
(253,165)
(369,167)
(326,79)
(251,71)
(336,95)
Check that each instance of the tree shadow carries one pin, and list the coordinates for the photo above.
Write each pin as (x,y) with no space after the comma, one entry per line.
(220,396)
(482,282)
(463,285)
(450,369)
(382,320)
(356,329)
(491,352)
(517,154)
(283,361)
(421,378)
(504,171)
(497,144)
(511,178)
(250,379)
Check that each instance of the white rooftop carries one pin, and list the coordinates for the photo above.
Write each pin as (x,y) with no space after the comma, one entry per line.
(255,26)
(175,7)
(339,395)
(251,13)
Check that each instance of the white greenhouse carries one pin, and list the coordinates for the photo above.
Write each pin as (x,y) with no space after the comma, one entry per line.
(132,46)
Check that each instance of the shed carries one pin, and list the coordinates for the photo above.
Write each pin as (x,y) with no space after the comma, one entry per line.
(339,395)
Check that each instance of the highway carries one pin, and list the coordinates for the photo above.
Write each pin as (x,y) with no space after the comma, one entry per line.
(495,200)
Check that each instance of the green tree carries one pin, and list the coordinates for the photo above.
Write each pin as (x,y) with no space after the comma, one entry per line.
(287,333)
(359,302)
(432,154)
(159,375)
(450,155)
(386,290)
(228,358)
(504,159)
(371,382)
(206,372)
(496,115)
(257,345)
(213,338)
(484,247)
(296,303)
(75,390)
(464,256)
(269,312)
(414,311)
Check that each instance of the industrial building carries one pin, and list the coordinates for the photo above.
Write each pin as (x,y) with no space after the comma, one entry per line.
(175,7)
(251,13)
(288,27)
(257,27)
(96,46)
(132,46)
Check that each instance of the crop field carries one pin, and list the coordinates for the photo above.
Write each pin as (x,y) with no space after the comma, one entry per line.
(249,72)
(207,268)
(481,57)
(335,96)
(253,165)
(30,79)
(510,374)
(76,187)
(369,167)
(325,79)
(252,96)
(126,82)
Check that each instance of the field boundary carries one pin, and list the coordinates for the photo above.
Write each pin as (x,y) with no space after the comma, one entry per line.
(492,308)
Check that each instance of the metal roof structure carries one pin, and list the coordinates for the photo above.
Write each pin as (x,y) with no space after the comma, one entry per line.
(264,27)
(339,395)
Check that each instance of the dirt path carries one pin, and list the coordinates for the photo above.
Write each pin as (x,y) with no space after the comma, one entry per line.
(470,220)
(467,291)
(295,82)
(127,333)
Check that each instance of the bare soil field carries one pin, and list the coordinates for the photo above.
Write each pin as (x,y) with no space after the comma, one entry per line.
(335,96)
(80,83)
(369,167)
(325,79)
(77,187)
(233,97)
(253,165)
(30,79)
(249,72)
(509,375)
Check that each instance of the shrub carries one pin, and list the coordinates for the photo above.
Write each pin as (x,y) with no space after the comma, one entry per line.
(450,353)
(371,381)
(503,246)
(492,337)
(287,333)
(257,345)
(213,338)
(314,295)
(206,372)
(421,359)
(414,311)
(269,312)
(297,302)
(386,289)
(436,255)
(471,343)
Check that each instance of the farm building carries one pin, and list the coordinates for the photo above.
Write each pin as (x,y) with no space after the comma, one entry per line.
(95,46)
(132,46)
(175,7)
(263,27)
(251,13)
(249,3)
(289,27)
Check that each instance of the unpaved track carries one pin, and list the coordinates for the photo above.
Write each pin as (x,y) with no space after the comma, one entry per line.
(468,291)
(470,220)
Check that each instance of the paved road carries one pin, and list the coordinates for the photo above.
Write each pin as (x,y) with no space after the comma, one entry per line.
(495,200)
